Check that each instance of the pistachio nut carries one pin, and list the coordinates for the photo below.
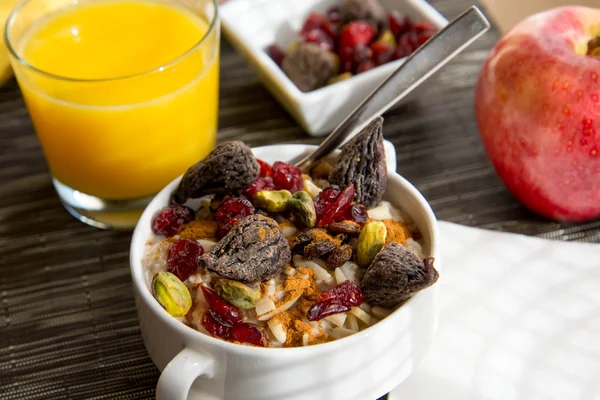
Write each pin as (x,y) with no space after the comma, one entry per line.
(171,293)
(272,200)
(238,294)
(370,242)
(302,208)
(388,38)
(339,78)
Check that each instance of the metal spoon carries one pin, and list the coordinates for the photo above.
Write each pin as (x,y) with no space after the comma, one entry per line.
(420,65)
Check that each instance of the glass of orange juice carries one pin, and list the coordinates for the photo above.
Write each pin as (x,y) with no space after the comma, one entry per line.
(123,95)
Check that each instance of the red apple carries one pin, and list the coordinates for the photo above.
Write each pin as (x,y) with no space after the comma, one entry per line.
(538,110)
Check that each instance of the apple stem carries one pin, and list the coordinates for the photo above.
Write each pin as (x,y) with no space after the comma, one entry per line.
(594,47)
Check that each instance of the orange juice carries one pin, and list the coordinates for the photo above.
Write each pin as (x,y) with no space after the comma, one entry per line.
(127,99)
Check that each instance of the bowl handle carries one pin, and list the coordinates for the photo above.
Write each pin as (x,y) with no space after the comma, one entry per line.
(177,377)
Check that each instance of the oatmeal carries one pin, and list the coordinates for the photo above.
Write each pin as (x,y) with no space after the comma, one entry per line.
(273,257)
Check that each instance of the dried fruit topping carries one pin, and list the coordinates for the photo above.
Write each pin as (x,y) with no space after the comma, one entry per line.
(333,15)
(249,333)
(229,168)
(310,66)
(238,294)
(182,258)
(320,38)
(265,168)
(321,310)
(398,24)
(407,43)
(276,53)
(362,163)
(169,220)
(370,242)
(286,176)
(317,21)
(231,212)
(336,209)
(386,37)
(356,33)
(253,251)
(349,227)
(325,199)
(338,257)
(261,183)
(272,200)
(368,10)
(356,213)
(223,312)
(215,328)
(171,293)
(315,243)
(382,53)
(303,209)
(320,169)
(346,293)
(395,275)
(365,66)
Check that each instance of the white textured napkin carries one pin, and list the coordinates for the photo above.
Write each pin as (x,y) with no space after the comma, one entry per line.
(519,320)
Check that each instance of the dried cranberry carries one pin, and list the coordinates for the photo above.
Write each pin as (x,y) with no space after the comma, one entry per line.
(321,310)
(346,293)
(365,66)
(223,312)
(321,38)
(276,54)
(399,24)
(169,220)
(361,54)
(182,258)
(424,26)
(355,33)
(325,199)
(261,183)
(231,211)
(317,21)
(244,332)
(215,328)
(265,168)
(286,176)
(333,15)
(356,213)
(336,209)
(346,57)
(424,36)
(382,53)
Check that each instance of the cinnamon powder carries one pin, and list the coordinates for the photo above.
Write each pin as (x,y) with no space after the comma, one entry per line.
(199,229)
(396,231)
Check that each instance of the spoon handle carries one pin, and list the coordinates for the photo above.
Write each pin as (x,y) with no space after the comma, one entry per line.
(420,65)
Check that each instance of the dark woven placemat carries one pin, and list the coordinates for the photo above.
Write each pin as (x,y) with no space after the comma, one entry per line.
(68,326)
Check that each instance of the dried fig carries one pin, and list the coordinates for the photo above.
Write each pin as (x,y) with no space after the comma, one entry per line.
(254,250)
(369,10)
(362,163)
(310,66)
(395,275)
(315,243)
(229,168)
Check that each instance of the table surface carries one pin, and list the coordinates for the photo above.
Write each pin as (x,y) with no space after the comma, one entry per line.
(68,325)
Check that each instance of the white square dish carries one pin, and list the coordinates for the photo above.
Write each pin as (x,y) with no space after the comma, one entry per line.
(252,25)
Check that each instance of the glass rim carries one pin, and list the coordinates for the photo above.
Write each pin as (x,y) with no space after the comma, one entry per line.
(174,61)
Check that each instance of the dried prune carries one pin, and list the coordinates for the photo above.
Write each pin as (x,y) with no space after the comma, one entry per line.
(310,66)
(229,168)
(368,10)
(362,163)
(254,250)
(338,257)
(395,275)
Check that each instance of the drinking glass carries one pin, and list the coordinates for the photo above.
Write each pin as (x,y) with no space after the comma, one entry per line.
(123,95)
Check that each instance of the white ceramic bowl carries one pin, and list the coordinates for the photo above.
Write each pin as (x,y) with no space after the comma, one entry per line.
(363,366)
(252,25)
